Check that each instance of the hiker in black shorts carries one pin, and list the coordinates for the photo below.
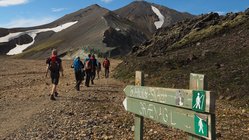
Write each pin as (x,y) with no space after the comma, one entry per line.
(78,72)
(54,65)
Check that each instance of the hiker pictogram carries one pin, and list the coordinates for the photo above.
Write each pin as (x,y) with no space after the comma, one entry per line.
(198,101)
(201,127)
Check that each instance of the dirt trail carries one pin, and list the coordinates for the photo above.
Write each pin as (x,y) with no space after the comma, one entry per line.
(24,91)
(26,112)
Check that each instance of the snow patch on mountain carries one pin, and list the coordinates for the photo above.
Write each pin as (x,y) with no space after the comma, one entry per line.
(19,48)
(32,33)
(159,23)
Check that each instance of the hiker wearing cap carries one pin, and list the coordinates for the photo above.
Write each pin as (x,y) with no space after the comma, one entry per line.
(54,65)
(106,65)
(94,67)
(88,69)
(78,72)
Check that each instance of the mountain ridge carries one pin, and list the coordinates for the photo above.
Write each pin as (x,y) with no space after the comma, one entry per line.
(93,32)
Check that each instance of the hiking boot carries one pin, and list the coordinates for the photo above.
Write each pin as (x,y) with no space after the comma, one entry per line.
(52,97)
(92,83)
(87,85)
(77,88)
(56,94)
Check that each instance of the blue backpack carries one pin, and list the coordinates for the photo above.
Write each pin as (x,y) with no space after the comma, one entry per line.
(77,65)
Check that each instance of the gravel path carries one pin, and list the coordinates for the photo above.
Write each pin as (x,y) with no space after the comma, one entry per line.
(26,112)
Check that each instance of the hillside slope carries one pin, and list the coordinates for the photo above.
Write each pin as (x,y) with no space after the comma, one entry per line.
(214,45)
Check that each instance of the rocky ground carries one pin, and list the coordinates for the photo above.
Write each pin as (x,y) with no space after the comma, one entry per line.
(93,113)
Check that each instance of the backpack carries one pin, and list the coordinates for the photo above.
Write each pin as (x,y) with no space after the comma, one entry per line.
(54,65)
(94,64)
(106,63)
(77,65)
(88,65)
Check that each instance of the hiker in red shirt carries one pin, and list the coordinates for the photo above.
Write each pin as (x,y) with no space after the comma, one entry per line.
(106,65)
(54,65)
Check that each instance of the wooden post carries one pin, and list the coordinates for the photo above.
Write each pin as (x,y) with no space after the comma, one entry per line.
(139,120)
(199,82)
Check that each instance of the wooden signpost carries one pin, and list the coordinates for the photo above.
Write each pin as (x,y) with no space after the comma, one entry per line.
(188,110)
(198,100)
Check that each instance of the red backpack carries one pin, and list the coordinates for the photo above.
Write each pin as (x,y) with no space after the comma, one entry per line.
(106,64)
(88,65)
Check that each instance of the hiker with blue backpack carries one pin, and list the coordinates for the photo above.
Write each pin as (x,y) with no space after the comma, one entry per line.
(78,71)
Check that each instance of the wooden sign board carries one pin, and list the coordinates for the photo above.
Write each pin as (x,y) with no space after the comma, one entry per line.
(190,99)
(186,120)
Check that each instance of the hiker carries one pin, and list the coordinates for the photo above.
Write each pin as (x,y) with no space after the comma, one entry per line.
(98,69)
(88,67)
(106,65)
(54,65)
(94,67)
(78,72)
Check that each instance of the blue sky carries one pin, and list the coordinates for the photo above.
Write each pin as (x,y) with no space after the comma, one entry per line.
(25,13)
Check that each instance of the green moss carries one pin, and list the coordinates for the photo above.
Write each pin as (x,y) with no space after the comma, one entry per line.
(235,22)
(40,47)
(195,36)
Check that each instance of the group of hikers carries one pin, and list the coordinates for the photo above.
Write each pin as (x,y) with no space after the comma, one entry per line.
(88,68)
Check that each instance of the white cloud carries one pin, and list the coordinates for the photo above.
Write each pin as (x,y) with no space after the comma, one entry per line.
(58,9)
(106,1)
(5,3)
(22,22)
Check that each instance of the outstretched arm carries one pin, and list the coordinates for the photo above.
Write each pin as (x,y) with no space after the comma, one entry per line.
(47,70)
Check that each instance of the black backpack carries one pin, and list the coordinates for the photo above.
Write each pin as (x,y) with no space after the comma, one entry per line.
(54,65)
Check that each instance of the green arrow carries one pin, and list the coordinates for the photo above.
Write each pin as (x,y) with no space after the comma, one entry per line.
(174,97)
(172,116)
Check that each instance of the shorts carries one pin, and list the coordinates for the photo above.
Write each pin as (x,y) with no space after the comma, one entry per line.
(55,78)
(79,75)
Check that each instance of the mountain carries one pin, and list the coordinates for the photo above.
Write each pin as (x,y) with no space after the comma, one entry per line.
(214,45)
(84,29)
(151,16)
(92,29)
